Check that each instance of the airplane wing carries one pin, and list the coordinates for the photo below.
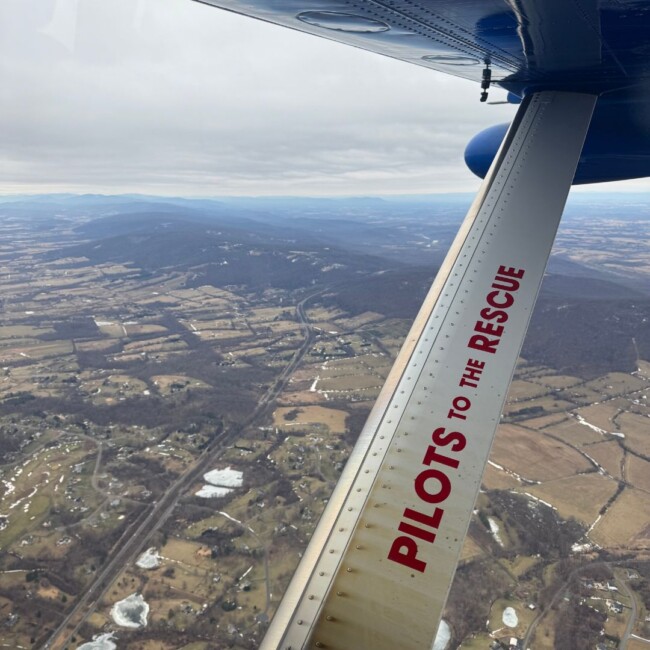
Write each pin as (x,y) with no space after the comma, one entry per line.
(379,566)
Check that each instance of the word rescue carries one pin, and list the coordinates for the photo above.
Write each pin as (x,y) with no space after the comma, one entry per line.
(499,300)
(432,485)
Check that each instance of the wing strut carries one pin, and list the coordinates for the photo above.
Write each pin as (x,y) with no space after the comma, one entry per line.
(379,566)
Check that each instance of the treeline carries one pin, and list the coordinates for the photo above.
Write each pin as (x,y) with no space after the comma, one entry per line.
(476,586)
(537,527)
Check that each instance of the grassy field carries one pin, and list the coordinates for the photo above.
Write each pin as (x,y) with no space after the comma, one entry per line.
(636,429)
(638,472)
(626,522)
(575,433)
(609,455)
(616,383)
(602,415)
(534,455)
(497,479)
(287,418)
(580,496)
(525,390)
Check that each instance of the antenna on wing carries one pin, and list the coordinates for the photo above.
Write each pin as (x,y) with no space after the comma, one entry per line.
(486,81)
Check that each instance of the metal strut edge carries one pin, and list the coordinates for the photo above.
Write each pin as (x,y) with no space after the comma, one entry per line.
(378,569)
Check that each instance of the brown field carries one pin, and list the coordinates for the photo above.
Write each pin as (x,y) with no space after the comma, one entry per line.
(167,300)
(638,472)
(626,522)
(617,383)
(557,381)
(635,644)
(525,390)
(600,415)
(534,455)
(545,421)
(362,319)
(350,382)
(326,328)
(333,370)
(616,624)
(323,313)
(547,403)
(575,433)
(23,331)
(579,496)
(89,346)
(50,592)
(332,418)
(496,479)
(185,552)
(609,454)
(276,327)
(114,330)
(136,329)
(545,633)
(637,432)
(478,642)
(302,398)
(470,549)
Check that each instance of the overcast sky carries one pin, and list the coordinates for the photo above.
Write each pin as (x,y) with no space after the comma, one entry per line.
(175,97)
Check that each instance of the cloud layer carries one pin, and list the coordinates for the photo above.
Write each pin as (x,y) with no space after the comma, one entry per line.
(175,97)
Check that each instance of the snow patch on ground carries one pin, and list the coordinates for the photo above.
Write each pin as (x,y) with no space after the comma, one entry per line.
(213,491)
(442,636)
(221,482)
(584,422)
(100,642)
(510,618)
(494,529)
(227,477)
(538,500)
(131,612)
(149,559)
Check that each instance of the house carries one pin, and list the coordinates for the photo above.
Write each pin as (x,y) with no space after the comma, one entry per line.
(615,606)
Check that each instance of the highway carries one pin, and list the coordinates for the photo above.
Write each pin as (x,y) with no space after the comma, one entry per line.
(137,536)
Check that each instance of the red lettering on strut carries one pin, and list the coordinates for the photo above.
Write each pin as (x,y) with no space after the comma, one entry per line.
(499,300)
(404,550)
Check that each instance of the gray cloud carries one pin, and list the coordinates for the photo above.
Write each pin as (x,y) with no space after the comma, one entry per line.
(171,96)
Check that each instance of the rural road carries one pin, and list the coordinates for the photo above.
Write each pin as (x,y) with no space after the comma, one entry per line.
(633,615)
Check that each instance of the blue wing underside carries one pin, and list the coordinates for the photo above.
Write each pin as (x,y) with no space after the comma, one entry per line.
(600,47)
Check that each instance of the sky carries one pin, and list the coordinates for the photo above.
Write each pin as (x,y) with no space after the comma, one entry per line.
(174,97)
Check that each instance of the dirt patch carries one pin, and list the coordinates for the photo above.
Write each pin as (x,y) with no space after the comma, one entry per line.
(50,592)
